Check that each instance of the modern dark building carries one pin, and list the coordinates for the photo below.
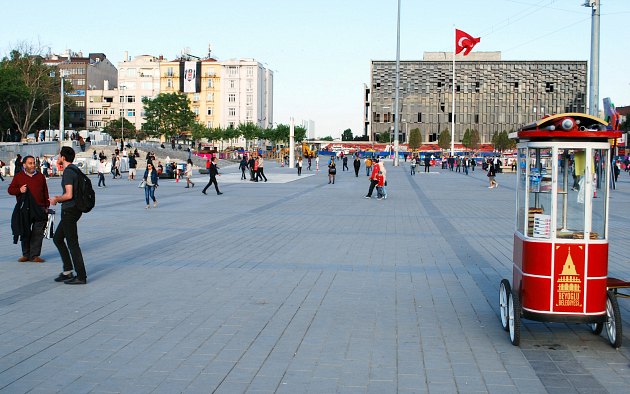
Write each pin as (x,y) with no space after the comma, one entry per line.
(491,95)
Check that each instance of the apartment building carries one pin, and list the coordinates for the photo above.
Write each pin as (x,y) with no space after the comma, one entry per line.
(137,78)
(85,73)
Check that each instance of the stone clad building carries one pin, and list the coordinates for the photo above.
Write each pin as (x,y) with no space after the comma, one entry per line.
(492,95)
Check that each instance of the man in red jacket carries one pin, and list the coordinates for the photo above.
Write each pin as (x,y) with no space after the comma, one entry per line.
(35,182)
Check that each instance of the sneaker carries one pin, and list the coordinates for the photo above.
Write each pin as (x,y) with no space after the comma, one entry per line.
(385,197)
(219,193)
(75,281)
(63,277)
(154,204)
(379,198)
(203,192)
(368,196)
(147,207)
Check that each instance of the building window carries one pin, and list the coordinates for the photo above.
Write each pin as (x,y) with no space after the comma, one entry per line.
(95,111)
(210,83)
(209,112)
(248,115)
(231,111)
(196,111)
(209,124)
(169,72)
(169,83)
(131,72)
(79,103)
(131,112)
(210,97)
(250,71)
(231,125)
(250,85)
(196,97)
(419,117)
(232,84)
(232,70)
(477,85)
(231,98)
(549,87)
(476,118)
(250,99)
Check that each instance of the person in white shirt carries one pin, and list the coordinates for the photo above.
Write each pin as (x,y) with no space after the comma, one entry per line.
(100,168)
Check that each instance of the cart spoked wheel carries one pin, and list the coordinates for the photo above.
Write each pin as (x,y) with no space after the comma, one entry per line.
(613,320)
(596,328)
(504,295)
(514,310)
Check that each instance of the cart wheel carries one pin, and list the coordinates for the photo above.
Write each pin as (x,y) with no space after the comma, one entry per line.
(504,295)
(514,309)
(596,328)
(613,320)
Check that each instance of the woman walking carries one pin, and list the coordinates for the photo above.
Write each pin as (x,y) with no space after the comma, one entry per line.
(150,184)
(491,177)
(299,166)
(189,173)
(332,171)
(101,172)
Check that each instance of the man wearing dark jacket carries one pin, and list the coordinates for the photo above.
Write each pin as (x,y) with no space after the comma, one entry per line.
(29,180)
(214,172)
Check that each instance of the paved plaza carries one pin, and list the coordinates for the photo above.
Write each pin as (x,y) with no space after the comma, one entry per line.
(295,286)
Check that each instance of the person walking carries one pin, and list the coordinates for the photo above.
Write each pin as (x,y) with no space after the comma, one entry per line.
(309,163)
(100,168)
(383,171)
(345,163)
(427,163)
(243,167)
(412,166)
(357,166)
(465,164)
(66,236)
(261,168)
(491,177)
(317,164)
(373,181)
(368,166)
(299,166)
(251,163)
(189,173)
(214,172)
(150,178)
(17,165)
(30,181)
(332,171)
(133,163)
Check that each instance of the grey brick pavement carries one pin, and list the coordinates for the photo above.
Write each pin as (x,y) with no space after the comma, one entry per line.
(294,286)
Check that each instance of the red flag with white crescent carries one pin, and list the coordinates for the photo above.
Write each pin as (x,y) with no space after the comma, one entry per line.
(464,42)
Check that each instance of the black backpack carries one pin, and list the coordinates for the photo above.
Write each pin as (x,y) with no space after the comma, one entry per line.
(84,196)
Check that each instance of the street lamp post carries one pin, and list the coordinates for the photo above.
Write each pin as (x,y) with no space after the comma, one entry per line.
(62,131)
(122,118)
(397,114)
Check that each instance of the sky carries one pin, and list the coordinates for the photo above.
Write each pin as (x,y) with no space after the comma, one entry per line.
(320,50)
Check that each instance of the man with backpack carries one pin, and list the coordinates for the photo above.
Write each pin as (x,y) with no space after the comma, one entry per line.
(66,237)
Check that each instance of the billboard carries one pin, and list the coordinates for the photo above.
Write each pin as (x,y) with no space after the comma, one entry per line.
(190,77)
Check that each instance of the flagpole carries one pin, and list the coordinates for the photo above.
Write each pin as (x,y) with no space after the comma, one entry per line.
(453,104)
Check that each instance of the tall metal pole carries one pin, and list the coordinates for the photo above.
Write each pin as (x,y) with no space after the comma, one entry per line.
(62,132)
(291,144)
(397,110)
(593,85)
(122,119)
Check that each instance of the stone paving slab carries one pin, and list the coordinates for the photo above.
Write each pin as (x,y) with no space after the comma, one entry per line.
(294,286)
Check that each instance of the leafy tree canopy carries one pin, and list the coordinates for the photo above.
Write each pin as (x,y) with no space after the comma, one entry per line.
(168,114)
(415,138)
(444,140)
(346,135)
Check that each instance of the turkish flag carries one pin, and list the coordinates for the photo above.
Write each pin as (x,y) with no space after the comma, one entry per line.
(464,42)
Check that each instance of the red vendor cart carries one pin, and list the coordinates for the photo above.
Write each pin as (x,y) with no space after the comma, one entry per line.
(560,257)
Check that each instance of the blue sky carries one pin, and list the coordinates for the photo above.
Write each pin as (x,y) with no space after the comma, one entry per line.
(320,50)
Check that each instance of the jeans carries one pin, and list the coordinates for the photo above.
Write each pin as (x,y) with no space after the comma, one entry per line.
(66,240)
(149,193)
(413,169)
(367,171)
(101,179)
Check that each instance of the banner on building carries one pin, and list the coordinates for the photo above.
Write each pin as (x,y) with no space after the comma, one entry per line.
(190,77)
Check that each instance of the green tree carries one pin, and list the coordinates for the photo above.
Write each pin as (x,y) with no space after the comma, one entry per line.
(471,139)
(113,128)
(346,135)
(444,140)
(249,131)
(198,131)
(415,138)
(28,88)
(502,141)
(168,114)
(327,138)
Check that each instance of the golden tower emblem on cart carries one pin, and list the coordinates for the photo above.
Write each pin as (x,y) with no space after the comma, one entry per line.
(569,284)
